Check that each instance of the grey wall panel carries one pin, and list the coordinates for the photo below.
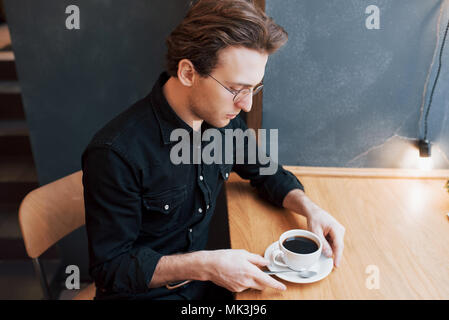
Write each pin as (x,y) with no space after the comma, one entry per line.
(341,94)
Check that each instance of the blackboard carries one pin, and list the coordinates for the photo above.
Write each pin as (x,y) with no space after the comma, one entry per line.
(343,95)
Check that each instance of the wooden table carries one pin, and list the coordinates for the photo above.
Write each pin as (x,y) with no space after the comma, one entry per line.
(396,223)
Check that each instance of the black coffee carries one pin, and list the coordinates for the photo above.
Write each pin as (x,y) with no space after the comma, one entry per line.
(298,244)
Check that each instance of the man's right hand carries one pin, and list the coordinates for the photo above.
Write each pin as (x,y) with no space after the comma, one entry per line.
(237,270)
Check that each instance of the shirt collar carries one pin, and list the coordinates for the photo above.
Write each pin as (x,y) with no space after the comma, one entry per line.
(167,119)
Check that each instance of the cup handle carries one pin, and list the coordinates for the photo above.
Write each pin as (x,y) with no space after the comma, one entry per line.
(276,253)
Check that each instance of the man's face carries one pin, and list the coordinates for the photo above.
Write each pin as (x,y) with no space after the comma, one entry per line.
(237,68)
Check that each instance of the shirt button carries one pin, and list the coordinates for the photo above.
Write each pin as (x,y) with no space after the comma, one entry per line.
(166,207)
(190,230)
(227,174)
(207,207)
(201,178)
(200,210)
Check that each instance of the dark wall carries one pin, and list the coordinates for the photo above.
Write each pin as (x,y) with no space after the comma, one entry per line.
(345,96)
(74,81)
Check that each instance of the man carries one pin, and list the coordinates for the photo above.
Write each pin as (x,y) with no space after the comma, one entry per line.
(147,218)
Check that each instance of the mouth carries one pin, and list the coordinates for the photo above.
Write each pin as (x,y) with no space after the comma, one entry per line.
(231,115)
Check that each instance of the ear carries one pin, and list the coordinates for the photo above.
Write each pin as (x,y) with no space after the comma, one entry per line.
(186,72)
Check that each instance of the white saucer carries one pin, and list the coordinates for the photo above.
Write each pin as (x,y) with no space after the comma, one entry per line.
(323,268)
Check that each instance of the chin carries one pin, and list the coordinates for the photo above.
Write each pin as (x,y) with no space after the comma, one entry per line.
(220,123)
(224,123)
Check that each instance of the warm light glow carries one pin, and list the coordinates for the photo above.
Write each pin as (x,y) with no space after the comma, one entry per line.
(425,163)
(412,160)
(418,199)
(419,196)
(415,199)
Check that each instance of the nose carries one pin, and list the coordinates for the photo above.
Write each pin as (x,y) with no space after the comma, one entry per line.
(245,104)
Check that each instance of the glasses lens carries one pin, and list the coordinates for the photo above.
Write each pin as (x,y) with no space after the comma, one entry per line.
(245,93)
(242,95)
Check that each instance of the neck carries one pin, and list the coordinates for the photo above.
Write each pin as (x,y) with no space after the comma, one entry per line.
(177,97)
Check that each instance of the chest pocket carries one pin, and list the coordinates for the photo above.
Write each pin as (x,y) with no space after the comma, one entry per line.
(161,210)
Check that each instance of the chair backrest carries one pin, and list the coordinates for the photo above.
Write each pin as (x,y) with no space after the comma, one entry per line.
(50,212)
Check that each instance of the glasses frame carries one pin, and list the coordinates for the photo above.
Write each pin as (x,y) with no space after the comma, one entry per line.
(252,91)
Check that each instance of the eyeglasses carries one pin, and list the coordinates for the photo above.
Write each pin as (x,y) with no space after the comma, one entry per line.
(242,94)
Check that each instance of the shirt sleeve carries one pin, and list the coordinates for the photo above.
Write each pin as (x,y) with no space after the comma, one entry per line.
(113,219)
(273,187)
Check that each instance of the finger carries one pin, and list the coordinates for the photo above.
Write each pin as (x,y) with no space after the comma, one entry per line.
(257,260)
(267,281)
(256,285)
(337,246)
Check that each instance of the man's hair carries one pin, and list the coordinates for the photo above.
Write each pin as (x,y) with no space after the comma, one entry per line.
(212,25)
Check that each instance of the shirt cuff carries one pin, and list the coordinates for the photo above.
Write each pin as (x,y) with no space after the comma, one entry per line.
(277,186)
(146,261)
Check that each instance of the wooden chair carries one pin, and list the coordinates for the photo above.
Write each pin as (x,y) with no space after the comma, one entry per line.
(46,215)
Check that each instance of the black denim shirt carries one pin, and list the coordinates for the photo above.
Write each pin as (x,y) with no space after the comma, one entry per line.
(140,206)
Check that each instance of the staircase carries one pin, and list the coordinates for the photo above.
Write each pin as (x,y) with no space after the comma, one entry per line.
(17,177)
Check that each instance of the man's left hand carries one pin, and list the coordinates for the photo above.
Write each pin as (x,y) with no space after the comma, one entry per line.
(330,231)
(320,222)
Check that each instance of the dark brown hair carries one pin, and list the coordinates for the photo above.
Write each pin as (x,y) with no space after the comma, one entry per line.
(212,25)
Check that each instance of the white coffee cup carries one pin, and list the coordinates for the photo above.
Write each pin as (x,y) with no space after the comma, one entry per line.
(293,260)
